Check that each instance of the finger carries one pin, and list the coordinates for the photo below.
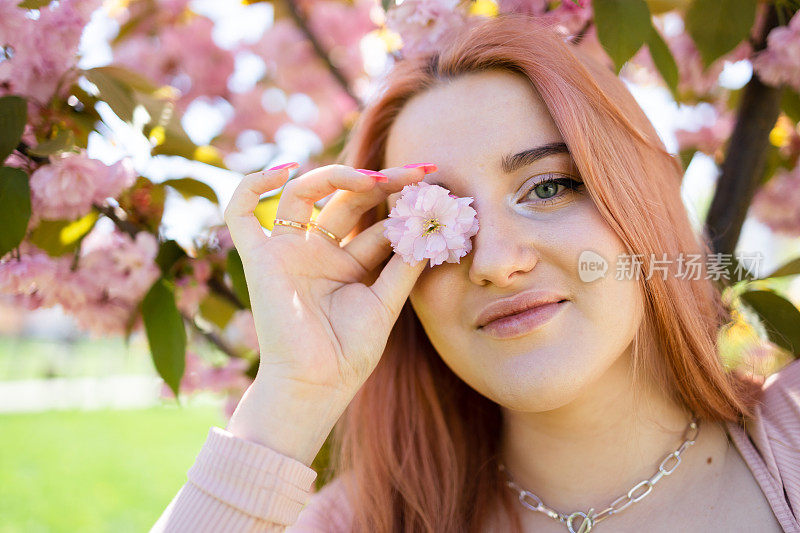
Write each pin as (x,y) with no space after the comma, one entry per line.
(343,211)
(246,231)
(300,194)
(395,283)
(370,247)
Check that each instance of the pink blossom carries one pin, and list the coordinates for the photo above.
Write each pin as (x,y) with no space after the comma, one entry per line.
(428,222)
(198,375)
(190,290)
(114,273)
(709,137)
(290,59)
(233,399)
(779,63)
(528,7)
(72,182)
(250,114)
(124,268)
(220,240)
(422,23)
(43,49)
(334,108)
(775,203)
(693,77)
(183,55)
(24,278)
(241,330)
(340,26)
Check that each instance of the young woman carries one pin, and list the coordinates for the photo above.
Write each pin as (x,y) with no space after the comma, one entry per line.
(606,408)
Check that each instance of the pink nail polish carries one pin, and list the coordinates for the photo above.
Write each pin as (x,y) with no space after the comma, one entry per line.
(286,165)
(377,175)
(427,168)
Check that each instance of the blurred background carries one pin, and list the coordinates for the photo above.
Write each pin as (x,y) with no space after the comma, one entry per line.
(127,124)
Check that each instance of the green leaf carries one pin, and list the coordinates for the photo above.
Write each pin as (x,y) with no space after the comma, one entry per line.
(15,208)
(386,4)
(623,26)
(189,187)
(13,116)
(169,253)
(58,237)
(717,26)
(166,334)
(790,104)
(118,95)
(665,63)
(780,317)
(34,4)
(791,268)
(217,310)
(62,142)
(236,272)
(129,78)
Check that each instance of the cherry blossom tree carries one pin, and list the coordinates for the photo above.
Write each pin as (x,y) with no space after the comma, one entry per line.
(85,234)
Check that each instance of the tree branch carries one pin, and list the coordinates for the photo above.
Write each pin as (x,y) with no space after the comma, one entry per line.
(301,23)
(743,167)
(222,290)
(213,338)
(124,225)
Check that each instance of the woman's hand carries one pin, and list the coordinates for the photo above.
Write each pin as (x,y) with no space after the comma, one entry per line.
(321,330)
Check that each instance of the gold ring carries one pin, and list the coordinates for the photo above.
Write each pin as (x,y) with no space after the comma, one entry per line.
(314,225)
(304,227)
(292,223)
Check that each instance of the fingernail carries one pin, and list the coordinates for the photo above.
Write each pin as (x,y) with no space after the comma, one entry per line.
(377,175)
(427,168)
(286,165)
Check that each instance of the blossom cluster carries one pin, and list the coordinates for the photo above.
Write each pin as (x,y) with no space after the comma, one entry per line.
(114,271)
(42,51)
(72,182)
(779,63)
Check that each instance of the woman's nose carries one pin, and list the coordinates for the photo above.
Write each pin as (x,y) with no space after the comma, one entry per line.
(501,251)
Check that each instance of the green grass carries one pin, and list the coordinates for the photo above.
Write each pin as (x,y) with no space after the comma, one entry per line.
(30,358)
(98,470)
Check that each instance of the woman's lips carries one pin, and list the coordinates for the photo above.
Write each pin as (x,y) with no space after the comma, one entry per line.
(519,324)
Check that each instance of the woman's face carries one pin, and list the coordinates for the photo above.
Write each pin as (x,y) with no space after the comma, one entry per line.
(530,239)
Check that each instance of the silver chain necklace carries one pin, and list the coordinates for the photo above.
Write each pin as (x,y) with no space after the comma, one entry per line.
(588,519)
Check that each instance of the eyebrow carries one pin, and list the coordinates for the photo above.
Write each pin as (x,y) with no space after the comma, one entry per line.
(510,163)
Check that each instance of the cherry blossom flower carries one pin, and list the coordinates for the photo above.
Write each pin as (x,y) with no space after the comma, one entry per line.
(241,330)
(72,182)
(428,222)
(114,273)
(184,56)
(710,137)
(191,289)
(422,23)
(200,375)
(775,204)
(43,50)
(779,63)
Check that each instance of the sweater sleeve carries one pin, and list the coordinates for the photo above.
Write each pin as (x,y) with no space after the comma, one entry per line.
(236,485)
(775,431)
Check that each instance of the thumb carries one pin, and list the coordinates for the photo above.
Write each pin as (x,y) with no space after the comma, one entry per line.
(396,281)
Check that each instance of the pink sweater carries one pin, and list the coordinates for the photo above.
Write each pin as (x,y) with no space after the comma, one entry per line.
(238,485)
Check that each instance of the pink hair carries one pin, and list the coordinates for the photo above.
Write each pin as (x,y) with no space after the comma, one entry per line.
(417,444)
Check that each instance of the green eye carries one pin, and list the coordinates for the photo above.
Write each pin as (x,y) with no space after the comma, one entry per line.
(549,190)
(546,189)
